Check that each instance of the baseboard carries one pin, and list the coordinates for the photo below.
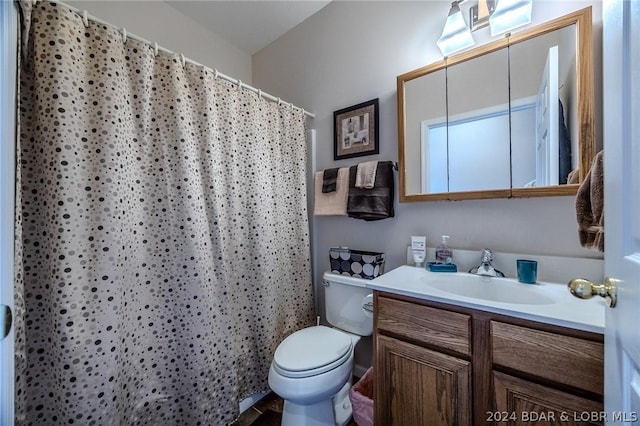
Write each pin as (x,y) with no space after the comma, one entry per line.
(251,400)
(359,370)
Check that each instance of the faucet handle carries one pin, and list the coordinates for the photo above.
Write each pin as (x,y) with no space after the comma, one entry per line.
(487,255)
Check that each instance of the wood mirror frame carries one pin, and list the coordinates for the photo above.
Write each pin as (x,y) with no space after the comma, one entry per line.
(582,19)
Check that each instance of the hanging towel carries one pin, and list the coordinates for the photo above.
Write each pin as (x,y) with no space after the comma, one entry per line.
(366,174)
(375,203)
(590,206)
(332,203)
(329,178)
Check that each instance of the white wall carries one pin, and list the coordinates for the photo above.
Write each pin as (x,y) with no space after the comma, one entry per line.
(158,22)
(352,51)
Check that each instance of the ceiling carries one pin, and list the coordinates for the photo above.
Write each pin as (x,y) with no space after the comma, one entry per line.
(249,25)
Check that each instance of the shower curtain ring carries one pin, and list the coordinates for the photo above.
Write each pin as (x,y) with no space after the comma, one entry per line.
(124,35)
(279,101)
(239,85)
(183,61)
(155,48)
(85,18)
(215,73)
(260,94)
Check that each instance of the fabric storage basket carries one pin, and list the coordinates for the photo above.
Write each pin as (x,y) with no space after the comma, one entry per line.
(356,263)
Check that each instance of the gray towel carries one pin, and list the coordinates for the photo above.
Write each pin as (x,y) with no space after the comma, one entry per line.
(375,203)
(329,178)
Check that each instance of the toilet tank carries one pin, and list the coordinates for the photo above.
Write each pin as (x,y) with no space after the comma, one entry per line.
(344,298)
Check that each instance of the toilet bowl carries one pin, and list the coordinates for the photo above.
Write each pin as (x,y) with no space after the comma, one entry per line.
(312,368)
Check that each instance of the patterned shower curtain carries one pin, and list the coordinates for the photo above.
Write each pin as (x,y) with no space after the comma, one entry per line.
(165,245)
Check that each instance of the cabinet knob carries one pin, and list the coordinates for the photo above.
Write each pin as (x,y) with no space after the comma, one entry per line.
(585,289)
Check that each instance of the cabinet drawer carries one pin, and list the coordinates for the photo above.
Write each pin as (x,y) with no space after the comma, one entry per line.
(432,326)
(563,359)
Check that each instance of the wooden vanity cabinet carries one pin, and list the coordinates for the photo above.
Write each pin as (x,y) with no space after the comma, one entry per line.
(418,383)
(440,364)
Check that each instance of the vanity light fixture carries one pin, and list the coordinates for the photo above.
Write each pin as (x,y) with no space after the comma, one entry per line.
(455,34)
(479,14)
(510,14)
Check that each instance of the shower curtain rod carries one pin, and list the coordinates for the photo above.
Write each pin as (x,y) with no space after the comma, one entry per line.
(86,18)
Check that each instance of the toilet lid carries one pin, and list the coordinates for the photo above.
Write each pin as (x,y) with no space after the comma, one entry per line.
(311,348)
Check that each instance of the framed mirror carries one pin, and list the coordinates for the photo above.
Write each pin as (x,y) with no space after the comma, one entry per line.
(512,118)
(478,136)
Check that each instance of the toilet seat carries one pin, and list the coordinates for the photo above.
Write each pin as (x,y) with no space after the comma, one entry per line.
(312,351)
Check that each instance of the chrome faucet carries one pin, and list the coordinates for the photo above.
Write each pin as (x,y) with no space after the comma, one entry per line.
(486,267)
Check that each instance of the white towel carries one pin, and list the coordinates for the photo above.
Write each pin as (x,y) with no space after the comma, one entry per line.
(332,203)
(366,174)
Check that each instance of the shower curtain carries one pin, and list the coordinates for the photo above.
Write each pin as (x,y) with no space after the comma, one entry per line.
(164,232)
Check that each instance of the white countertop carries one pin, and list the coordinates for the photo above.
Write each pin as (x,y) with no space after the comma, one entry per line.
(565,310)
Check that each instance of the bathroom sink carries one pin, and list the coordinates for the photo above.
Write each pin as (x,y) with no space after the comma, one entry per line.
(546,302)
(500,290)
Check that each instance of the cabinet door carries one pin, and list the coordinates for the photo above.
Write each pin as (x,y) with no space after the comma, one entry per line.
(520,402)
(418,386)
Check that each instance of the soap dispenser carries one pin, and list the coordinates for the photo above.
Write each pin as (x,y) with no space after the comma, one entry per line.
(443,252)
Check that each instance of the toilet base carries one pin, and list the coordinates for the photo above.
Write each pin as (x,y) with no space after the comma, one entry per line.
(318,414)
(329,412)
(342,409)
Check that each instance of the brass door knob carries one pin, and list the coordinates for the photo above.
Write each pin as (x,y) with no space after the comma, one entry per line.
(585,289)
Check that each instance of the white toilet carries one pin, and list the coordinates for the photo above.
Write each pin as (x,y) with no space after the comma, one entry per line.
(312,368)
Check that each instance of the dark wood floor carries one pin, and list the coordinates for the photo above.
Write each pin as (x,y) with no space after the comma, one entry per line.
(266,412)
(262,413)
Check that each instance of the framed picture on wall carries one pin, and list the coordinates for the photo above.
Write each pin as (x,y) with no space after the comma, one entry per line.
(355,130)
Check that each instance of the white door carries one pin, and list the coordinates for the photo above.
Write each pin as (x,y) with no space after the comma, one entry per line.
(621,93)
(8,52)
(547,124)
